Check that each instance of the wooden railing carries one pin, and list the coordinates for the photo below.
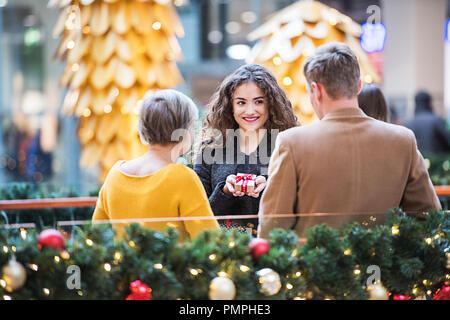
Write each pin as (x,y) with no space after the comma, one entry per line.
(48,203)
(441,191)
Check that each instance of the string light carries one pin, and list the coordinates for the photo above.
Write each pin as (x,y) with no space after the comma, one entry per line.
(231,244)
(2,283)
(395,230)
(429,292)
(46,291)
(75,67)
(414,291)
(425,282)
(5,249)
(65,255)
(244,268)
(107,267)
(57,259)
(348,252)
(287,81)
(89,242)
(34,267)
(124,110)
(222,274)
(117,255)
(294,253)
(429,241)
(115,91)
(277,61)
(156,25)
(87,112)
(368,79)
(194,272)
(158,266)
(23,233)
(80,293)
(70,44)
(289,286)
(13,248)
(131,243)
(356,271)
(212,257)
(5,297)
(107,108)
(298,274)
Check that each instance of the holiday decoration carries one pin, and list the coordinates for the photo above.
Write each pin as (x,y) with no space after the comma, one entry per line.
(245,182)
(293,34)
(443,293)
(377,292)
(222,288)
(51,238)
(115,51)
(102,265)
(269,281)
(139,291)
(14,275)
(401,297)
(258,247)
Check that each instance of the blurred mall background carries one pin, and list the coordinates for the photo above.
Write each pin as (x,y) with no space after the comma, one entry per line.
(39,144)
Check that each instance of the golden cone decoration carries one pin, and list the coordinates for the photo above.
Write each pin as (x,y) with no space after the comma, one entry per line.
(291,35)
(115,50)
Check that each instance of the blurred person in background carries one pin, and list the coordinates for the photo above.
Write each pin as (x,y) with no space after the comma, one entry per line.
(430,129)
(371,100)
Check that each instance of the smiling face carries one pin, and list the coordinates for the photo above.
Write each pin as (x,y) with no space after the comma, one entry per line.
(250,109)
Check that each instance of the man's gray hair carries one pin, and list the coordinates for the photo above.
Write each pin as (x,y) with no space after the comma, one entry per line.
(336,67)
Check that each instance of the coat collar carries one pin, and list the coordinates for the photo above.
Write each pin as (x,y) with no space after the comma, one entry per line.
(345,113)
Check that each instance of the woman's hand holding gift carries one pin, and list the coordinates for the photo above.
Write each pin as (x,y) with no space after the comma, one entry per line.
(260,184)
(229,187)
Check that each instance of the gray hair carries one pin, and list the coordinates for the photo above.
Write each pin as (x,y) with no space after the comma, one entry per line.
(162,113)
(336,67)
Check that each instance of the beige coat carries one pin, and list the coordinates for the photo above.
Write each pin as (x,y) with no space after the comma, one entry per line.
(345,163)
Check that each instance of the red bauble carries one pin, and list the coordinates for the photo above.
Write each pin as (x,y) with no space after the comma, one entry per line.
(258,247)
(401,297)
(139,291)
(51,238)
(442,293)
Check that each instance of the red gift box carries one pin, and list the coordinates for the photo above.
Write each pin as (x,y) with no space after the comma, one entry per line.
(245,182)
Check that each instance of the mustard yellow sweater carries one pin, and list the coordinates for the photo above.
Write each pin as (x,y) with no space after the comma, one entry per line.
(173,191)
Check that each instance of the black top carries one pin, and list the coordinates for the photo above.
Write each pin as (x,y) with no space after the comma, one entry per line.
(215,164)
(430,132)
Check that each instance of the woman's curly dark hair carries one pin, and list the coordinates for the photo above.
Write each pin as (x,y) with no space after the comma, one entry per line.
(220,116)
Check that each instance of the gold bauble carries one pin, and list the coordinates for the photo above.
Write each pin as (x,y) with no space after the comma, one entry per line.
(269,281)
(222,288)
(14,275)
(377,292)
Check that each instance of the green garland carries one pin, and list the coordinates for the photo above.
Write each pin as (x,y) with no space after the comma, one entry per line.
(43,218)
(411,254)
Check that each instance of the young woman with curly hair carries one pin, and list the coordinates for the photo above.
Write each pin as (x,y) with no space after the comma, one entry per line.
(246,112)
